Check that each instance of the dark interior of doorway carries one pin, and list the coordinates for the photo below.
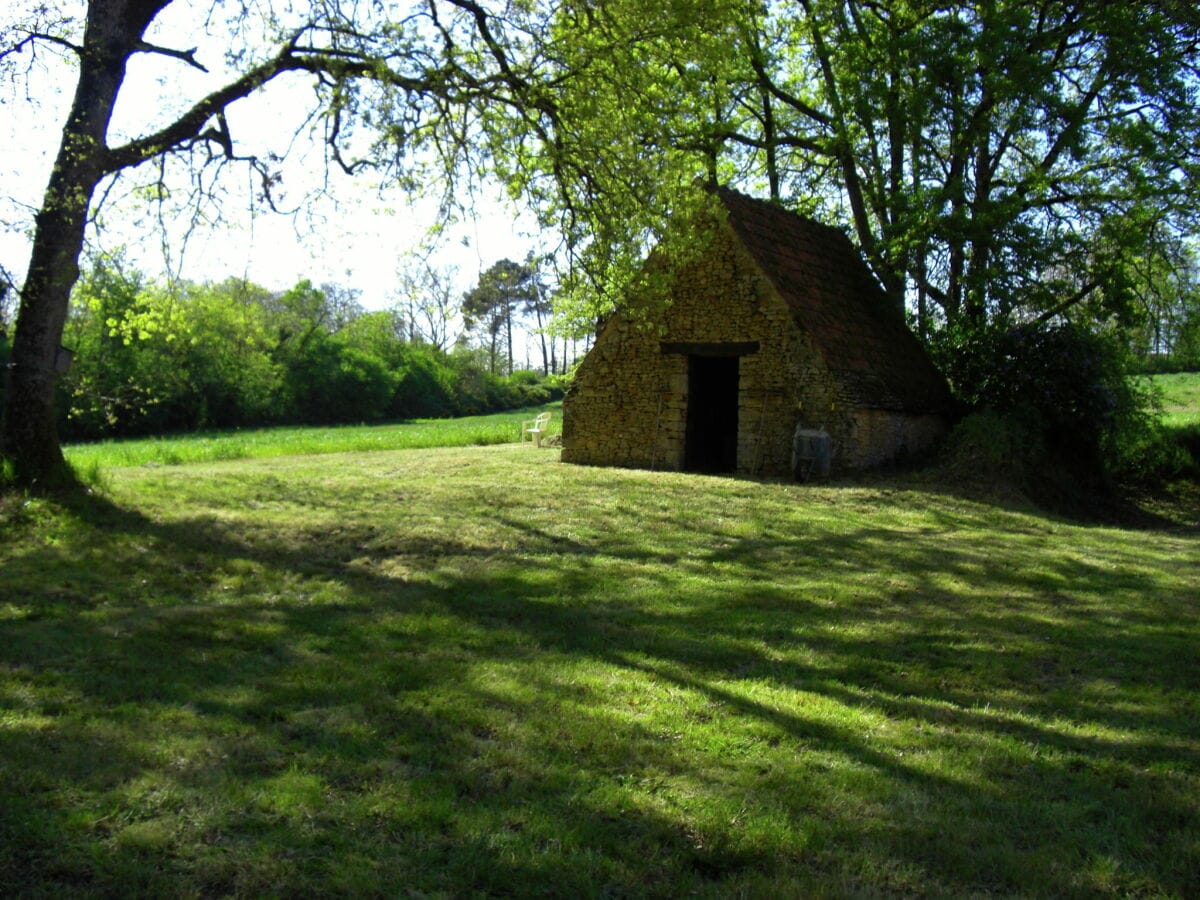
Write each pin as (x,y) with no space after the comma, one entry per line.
(712,414)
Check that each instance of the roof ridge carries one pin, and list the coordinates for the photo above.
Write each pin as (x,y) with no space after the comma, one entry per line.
(776,207)
(834,296)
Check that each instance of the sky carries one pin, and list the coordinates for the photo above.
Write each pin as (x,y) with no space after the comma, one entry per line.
(354,232)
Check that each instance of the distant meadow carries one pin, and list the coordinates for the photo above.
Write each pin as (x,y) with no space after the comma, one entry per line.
(260,443)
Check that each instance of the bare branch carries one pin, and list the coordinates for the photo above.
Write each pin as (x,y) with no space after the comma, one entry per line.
(220,134)
(187,56)
(33,38)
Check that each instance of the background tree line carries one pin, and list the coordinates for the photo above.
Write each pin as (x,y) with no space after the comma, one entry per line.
(150,359)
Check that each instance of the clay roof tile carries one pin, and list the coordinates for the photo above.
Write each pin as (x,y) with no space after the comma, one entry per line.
(833,296)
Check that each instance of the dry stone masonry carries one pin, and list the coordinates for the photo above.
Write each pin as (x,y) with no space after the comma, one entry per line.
(779,325)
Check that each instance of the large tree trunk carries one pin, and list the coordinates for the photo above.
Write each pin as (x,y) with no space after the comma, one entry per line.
(28,433)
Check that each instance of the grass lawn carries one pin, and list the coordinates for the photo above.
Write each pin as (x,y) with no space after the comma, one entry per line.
(1181,397)
(263,443)
(480,671)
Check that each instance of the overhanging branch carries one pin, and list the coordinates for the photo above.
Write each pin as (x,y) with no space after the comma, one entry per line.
(191,125)
(1078,297)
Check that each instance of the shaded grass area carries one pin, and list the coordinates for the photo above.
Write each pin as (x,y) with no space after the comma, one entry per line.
(497,428)
(480,671)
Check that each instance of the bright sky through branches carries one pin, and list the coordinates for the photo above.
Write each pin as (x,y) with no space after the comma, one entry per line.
(347,230)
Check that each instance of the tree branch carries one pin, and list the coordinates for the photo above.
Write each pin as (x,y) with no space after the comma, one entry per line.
(187,56)
(769,85)
(190,125)
(35,36)
(1078,297)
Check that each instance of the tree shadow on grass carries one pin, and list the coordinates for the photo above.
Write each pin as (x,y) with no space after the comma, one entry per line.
(481,730)
(1163,508)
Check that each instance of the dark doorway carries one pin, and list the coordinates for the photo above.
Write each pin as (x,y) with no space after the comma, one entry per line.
(712,414)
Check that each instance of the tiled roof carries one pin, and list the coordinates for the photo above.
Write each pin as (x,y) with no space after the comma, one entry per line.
(869,349)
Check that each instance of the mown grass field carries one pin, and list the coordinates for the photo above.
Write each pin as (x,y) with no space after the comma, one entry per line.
(264,443)
(479,671)
(1181,397)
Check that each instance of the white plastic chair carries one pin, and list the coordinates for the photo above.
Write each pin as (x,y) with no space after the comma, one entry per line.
(536,428)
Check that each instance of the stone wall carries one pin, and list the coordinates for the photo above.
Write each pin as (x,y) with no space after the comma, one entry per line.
(628,406)
(877,436)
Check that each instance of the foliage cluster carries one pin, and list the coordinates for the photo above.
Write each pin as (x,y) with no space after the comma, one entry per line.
(153,360)
(1056,406)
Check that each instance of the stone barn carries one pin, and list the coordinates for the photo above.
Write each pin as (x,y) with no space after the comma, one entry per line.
(778,330)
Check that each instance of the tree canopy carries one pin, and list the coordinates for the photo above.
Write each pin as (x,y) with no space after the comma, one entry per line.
(989,157)
(504,291)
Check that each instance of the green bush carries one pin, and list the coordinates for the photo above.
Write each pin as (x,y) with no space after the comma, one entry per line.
(477,390)
(1064,388)
(1170,453)
(535,389)
(333,384)
(559,384)
(426,385)
(534,395)
(988,446)
(525,378)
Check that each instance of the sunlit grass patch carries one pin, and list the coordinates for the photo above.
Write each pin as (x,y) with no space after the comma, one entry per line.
(1181,397)
(479,671)
(498,428)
